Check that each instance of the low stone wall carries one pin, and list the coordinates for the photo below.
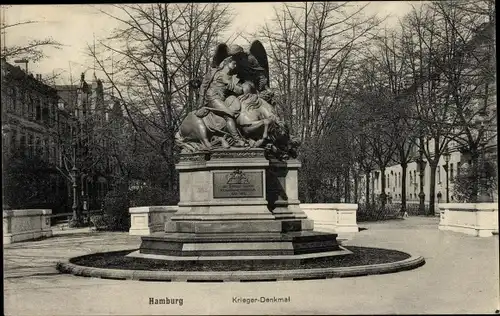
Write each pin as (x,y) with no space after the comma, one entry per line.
(339,218)
(145,220)
(476,219)
(20,225)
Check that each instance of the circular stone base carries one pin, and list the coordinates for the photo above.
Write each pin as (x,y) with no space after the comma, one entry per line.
(363,261)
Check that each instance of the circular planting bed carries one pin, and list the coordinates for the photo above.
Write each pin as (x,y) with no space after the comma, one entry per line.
(362,261)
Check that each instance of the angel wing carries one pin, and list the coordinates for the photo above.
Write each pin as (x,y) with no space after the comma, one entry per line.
(259,52)
(221,52)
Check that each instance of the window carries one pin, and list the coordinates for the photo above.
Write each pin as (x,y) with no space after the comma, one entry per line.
(45,115)
(13,141)
(30,146)
(22,98)
(26,102)
(399,177)
(12,99)
(38,109)
(451,171)
(51,149)
(38,146)
(46,149)
(31,108)
(53,111)
(23,144)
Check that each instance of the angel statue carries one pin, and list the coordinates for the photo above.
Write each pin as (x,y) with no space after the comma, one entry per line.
(235,106)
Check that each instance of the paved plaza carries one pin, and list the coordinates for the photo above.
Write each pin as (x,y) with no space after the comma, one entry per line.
(460,276)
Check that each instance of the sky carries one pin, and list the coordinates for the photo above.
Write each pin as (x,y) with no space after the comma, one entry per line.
(75,26)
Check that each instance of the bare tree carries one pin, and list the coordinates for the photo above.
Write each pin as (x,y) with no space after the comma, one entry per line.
(312,46)
(32,50)
(427,54)
(312,49)
(468,74)
(395,75)
(158,53)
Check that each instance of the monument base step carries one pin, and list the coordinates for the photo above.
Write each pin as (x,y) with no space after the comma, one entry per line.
(237,226)
(238,244)
(302,258)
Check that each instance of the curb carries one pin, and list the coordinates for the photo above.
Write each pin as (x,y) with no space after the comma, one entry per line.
(241,276)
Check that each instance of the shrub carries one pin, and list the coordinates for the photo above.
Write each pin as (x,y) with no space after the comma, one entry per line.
(29,182)
(378,213)
(148,196)
(99,222)
(463,184)
(116,216)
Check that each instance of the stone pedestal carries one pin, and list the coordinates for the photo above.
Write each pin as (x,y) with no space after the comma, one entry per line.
(476,219)
(237,203)
(21,225)
(283,195)
(146,220)
(224,192)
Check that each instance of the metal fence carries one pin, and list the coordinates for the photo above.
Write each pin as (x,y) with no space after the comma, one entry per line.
(65,217)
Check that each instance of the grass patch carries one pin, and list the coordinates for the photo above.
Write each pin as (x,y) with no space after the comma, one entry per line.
(360,256)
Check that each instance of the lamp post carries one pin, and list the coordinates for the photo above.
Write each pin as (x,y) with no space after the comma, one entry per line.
(483,190)
(74,172)
(74,177)
(421,163)
(446,157)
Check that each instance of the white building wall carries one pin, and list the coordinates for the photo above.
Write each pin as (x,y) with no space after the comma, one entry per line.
(395,177)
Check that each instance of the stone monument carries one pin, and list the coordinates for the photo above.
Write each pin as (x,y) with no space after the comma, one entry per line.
(238,173)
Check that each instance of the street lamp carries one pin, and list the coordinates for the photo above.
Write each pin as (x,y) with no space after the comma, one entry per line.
(483,190)
(74,172)
(74,176)
(421,163)
(446,157)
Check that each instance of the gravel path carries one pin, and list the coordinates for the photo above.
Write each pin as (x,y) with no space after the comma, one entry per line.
(460,276)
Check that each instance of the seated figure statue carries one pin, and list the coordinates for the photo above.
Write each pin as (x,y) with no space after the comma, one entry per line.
(236,107)
(220,87)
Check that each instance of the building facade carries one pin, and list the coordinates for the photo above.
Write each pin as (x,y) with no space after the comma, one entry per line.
(30,114)
(31,122)
(48,122)
(89,111)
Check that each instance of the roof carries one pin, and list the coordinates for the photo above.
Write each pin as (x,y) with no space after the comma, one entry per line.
(12,73)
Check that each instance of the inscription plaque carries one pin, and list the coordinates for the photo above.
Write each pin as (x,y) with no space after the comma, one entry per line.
(237,183)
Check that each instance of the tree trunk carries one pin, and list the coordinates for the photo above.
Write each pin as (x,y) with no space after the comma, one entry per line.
(337,188)
(356,175)
(373,191)
(404,167)
(367,189)
(347,186)
(432,188)
(474,175)
(382,187)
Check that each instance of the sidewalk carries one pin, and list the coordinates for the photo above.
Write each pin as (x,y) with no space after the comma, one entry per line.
(460,276)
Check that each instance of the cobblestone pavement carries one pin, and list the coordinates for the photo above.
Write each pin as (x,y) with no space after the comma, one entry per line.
(460,276)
